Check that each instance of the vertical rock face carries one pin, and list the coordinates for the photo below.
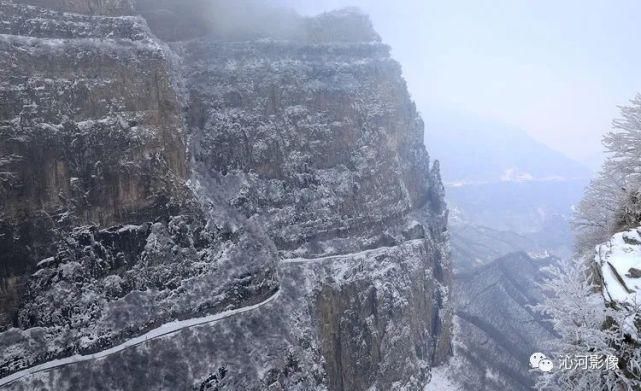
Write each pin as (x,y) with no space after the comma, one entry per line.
(90,131)
(102,239)
(320,140)
(283,181)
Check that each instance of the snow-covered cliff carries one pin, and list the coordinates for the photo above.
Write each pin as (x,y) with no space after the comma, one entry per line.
(205,211)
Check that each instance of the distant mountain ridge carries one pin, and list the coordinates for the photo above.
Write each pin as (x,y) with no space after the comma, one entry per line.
(497,329)
(499,177)
(507,153)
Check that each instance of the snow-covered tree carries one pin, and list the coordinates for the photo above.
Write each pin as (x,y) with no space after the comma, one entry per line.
(623,143)
(613,200)
(588,327)
(593,220)
(587,322)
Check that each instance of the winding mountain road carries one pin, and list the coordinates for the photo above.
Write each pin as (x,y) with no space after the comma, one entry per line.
(159,332)
(176,326)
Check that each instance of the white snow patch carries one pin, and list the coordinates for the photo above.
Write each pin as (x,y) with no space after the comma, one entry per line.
(128,227)
(516,175)
(45,262)
(442,380)
(617,257)
(538,255)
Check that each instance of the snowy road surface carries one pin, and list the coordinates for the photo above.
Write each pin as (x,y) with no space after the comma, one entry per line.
(164,330)
(175,326)
(364,254)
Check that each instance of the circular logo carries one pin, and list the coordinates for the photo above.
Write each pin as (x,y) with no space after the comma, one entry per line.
(546,365)
(535,359)
(538,360)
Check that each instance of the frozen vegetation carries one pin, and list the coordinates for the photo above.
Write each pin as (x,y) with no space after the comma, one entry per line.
(593,301)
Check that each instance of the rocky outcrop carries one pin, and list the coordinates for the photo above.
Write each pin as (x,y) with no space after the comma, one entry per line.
(75,152)
(281,184)
(89,7)
(618,263)
(103,237)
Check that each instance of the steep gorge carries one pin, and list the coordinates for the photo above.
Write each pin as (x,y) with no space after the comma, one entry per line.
(282,179)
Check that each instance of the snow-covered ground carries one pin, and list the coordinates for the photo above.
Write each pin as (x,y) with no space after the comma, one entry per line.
(620,262)
(442,380)
(162,331)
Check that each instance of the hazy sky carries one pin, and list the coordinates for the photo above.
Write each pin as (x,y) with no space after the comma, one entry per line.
(555,68)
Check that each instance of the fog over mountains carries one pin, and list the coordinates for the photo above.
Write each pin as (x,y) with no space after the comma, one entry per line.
(510,200)
(504,183)
(476,150)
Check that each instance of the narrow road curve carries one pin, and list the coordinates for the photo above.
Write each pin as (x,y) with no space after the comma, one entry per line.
(161,331)
(175,326)
(365,253)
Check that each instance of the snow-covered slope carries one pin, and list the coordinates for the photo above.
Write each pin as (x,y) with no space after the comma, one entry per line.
(496,330)
(619,260)
(443,380)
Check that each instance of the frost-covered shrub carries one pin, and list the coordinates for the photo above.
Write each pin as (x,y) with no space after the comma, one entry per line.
(612,201)
(588,327)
